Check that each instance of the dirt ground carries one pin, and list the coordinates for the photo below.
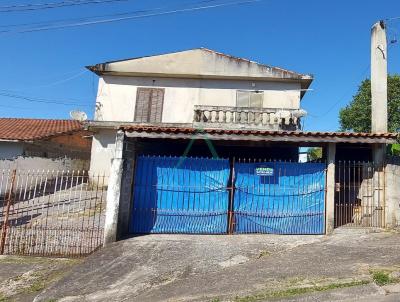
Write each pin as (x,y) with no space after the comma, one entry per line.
(351,265)
(23,278)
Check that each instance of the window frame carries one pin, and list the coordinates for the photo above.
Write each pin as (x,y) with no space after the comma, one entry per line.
(250,92)
(149,104)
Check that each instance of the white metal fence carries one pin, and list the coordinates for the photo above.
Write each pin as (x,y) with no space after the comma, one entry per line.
(55,213)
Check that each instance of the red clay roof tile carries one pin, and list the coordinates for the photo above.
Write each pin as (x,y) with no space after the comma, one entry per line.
(34,129)
(160,129)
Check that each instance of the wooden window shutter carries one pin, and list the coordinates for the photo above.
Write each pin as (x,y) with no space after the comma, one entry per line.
(149,105)
(156,107)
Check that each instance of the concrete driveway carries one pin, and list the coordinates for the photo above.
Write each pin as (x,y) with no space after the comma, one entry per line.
(234,268)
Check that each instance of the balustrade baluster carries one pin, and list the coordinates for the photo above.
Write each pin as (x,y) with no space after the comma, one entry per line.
(260,117)
(207,115)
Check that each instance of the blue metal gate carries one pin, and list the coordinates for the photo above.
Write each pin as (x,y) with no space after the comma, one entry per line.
(203,196)
(279,198)
(180,195)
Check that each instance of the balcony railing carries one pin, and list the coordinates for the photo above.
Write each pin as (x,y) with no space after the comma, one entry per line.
(246,117)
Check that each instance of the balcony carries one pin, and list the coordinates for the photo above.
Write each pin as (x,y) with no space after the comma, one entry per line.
(247,118)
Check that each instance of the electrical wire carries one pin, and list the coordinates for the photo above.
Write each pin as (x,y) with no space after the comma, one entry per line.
(61,21)
(51,5)
(11,94)
(130,17)
(61,81)
(341,98)
(392,18)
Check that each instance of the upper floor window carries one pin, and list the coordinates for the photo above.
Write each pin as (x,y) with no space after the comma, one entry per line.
(149,105)
(246,98)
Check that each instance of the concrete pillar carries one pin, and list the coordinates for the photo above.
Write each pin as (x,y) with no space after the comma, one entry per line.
(126,198)
(391,196)
(330,189)
(114,191)
(392,193)
(379,116)
(379,78)
(379,202)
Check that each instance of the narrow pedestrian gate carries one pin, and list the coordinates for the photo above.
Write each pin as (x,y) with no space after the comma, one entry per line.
(216,196)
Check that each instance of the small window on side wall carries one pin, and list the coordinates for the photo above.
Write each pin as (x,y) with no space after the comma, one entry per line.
(149,105)
(249,98)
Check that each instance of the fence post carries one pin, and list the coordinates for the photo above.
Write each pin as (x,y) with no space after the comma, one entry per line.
(8,206)
(330,189)
(231,222)
(114,191)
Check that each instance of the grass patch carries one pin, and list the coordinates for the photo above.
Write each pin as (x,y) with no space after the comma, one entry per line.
(21,260)
(382,277)
(3,299)
(5,259)
(263,254)
(297,291)
(36,286)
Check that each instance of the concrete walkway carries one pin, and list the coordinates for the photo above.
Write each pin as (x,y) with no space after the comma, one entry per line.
(225,268)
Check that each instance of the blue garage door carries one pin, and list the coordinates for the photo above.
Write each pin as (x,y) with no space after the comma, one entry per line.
(279,198)
(180,195)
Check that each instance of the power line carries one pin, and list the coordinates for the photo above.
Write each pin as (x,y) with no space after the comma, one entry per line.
(50,5)
(44,23)
(17,107)
(77,75)
(340,99)
(57,82)
(110,20)
(10,94)
(392,18)
(60,21)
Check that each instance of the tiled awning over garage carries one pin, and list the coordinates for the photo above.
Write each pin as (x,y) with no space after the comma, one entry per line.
(142,131)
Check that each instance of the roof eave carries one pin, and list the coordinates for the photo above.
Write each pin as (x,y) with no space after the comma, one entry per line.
(181,131)
(306,79)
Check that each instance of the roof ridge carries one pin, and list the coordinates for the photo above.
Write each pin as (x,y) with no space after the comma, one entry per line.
(93,67)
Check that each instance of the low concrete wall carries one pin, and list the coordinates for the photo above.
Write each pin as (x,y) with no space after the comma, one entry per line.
(392,193)
(37,165)
(46,164)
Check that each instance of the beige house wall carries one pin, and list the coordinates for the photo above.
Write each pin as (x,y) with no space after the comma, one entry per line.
(117,96)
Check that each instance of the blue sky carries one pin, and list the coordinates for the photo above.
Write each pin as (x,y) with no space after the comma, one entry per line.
(329,39)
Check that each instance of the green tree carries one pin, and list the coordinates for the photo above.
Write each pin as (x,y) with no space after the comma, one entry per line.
(314,154)
(356,116)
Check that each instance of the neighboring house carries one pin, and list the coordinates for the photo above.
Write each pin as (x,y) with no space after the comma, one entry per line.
(203,142)
(43,144)
(199,88)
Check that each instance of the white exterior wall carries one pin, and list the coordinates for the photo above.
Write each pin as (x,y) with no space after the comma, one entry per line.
(117,96)
(34,163)
(103,150)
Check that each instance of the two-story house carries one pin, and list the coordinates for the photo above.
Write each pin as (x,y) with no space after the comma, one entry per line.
(203,142)
(198,88)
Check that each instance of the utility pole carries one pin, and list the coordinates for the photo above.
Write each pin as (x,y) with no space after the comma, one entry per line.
(379,78)
(379,116)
